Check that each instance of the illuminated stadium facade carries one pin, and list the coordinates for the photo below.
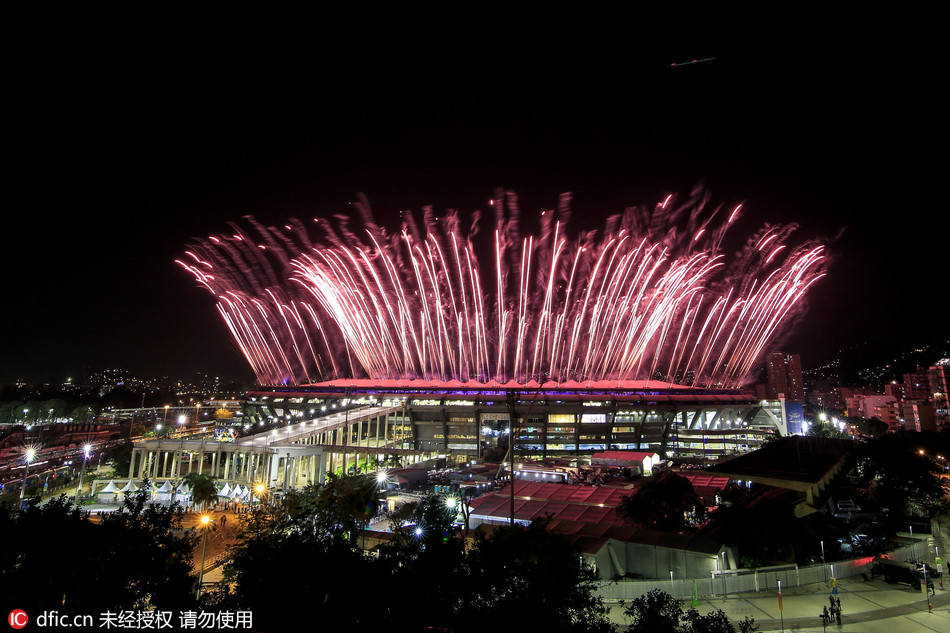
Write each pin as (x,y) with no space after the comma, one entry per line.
(295,435)
(470,421)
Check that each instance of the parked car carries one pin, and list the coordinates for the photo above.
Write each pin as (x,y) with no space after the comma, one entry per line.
(895,571)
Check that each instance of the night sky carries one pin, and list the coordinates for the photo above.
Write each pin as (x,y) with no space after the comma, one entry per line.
(119,157)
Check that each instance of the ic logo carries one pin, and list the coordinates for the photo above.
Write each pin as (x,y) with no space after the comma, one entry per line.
(18,618)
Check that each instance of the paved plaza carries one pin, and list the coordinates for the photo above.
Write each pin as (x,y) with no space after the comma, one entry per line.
(867,607)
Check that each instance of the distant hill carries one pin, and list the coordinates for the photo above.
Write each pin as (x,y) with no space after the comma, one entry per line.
(874,365)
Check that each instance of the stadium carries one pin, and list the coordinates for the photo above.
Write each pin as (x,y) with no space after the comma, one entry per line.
(464,422)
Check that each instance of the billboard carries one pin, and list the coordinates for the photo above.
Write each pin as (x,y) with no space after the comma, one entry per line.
(795,417)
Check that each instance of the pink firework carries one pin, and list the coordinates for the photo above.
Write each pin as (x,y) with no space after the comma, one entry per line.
(652,295)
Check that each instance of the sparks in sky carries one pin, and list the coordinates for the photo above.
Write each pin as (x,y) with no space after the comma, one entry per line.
(652,295)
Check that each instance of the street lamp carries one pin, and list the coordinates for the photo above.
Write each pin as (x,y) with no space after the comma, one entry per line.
(722,572)
(29,455)
(205,521)
(86,450)
(259,490)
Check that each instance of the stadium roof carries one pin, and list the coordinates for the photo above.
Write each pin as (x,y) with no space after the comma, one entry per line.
(805,464)
(586,515)
(789,462)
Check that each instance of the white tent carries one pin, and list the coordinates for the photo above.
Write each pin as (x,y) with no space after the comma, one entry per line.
(182,495)
(109,493)
(164,493)
(129,487)
(225,492)
(110,487)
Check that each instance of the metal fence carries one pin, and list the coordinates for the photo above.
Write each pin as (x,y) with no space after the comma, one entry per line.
(747,580)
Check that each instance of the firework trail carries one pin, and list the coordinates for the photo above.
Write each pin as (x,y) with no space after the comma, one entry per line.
(652,295)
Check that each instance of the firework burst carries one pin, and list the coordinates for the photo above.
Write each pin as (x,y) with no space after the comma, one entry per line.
(650,295)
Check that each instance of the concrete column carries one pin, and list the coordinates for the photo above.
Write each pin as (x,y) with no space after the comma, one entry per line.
(249,466)
(272,470)
(320,474)
(147,465)
(285,472)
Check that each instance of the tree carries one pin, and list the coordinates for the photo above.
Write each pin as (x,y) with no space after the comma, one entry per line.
(525,577)
(654,612)
(149,538)
(304,550)
(659,612)
(121,457)
(901,474)
(664,502)
(871,427)
(203,490)
(528,578)
(422,524)
(713,622)
(134,559)
(822,428)
(344,505)
(279,576)
(763,530)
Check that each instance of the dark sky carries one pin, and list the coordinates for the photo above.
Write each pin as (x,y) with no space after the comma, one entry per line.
(119,156)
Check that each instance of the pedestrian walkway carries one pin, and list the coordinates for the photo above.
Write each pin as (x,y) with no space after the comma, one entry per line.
(872,606)
(220,540)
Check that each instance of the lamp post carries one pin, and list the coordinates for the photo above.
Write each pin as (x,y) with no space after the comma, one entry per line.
(29,456)
(86,449)
(781,611)
(205,521)
(722,570)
